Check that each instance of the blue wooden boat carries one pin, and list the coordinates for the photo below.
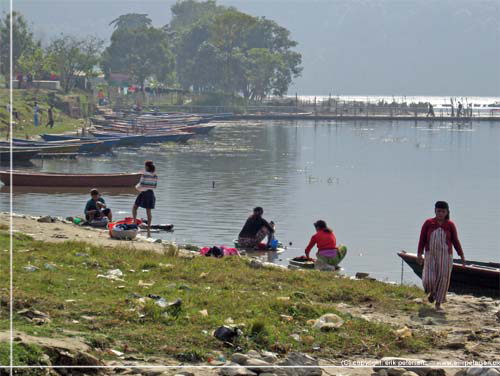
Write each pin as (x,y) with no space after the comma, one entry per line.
(64,137)
(123,140)
(94,146)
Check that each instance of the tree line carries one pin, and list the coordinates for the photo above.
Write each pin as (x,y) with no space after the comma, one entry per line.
(206,48)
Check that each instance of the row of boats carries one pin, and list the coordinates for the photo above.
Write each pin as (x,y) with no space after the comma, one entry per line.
(108,132)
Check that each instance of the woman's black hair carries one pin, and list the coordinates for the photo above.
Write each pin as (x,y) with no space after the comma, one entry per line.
(149,166)
(443,205)
(321,225)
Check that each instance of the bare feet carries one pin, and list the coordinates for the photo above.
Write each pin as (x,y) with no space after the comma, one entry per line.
(438,307)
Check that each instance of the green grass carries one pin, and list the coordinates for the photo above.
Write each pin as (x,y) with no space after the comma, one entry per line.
(24,354)
(23,104)
(230,289)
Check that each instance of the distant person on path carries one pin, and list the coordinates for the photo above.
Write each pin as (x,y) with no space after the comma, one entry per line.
(96,207)
(459,111)
(255,230)
(437,238)
(36,115)
(329,255)
(19,78)
(146,199)
(50,115)
(29,80)
(430,111)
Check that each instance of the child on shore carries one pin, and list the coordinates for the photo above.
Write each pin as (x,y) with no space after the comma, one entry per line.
(146,199)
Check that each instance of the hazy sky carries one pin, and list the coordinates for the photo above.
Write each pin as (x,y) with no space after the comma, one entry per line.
(355,47)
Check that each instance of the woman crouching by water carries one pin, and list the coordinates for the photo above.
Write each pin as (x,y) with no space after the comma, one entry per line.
(328,256)
(438,237)
(146,199)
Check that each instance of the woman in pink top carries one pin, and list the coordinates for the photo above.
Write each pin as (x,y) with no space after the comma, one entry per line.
(329,255)
(437,238)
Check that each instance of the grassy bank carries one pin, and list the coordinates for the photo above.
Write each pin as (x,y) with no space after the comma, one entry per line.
(118,314)
(23,105)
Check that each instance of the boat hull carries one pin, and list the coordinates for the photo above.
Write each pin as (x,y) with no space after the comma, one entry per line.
(17,156)
(481,278)
(26,178)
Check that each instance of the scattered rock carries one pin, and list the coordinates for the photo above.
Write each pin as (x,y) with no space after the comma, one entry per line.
(46,219)
(492,372)
(409,373)
(257,365)
(298,359)
(474,371)
(396,371)
(296,337)
(35,316)
(236,370)
(204,312)
(253,354)
(329,321)
(286,318)
(256,264)
(383,372)
(269,357)
(498,315)
(239,358)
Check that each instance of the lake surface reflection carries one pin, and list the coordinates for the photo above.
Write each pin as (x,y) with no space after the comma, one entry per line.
(374,183)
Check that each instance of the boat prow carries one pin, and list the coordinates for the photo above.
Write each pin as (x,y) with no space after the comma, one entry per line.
(476,277)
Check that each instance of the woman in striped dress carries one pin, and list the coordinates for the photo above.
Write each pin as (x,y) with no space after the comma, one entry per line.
(437,238)
(146,199)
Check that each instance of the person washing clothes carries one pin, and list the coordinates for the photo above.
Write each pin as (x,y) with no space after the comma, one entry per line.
(255,230)
(328,255)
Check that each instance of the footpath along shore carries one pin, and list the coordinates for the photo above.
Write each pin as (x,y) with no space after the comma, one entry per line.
(73,330)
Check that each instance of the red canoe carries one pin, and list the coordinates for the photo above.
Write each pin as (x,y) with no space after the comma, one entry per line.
(45,179)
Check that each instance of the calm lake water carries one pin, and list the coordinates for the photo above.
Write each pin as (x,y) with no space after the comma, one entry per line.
(373,182)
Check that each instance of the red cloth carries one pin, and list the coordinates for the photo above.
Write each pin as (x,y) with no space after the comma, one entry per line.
(451,236)
(323,240)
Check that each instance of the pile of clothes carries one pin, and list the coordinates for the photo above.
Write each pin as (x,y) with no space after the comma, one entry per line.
(219,251)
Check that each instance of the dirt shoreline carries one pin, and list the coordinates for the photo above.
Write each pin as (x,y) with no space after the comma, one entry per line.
(469,327)
(61,231)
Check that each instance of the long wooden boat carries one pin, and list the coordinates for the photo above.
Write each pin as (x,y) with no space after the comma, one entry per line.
(475,277)
(73,148)
(123,140)
(84,146)
(108,143)
(18,156)
(45,179)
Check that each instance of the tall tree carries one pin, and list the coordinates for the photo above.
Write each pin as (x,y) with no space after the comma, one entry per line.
(37,61)
(131,21)
(73,56)
(22,37)
(221,49)
(141,53)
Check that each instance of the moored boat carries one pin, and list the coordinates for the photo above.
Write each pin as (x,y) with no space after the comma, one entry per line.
(18,156)
(45,179)
(475,277)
